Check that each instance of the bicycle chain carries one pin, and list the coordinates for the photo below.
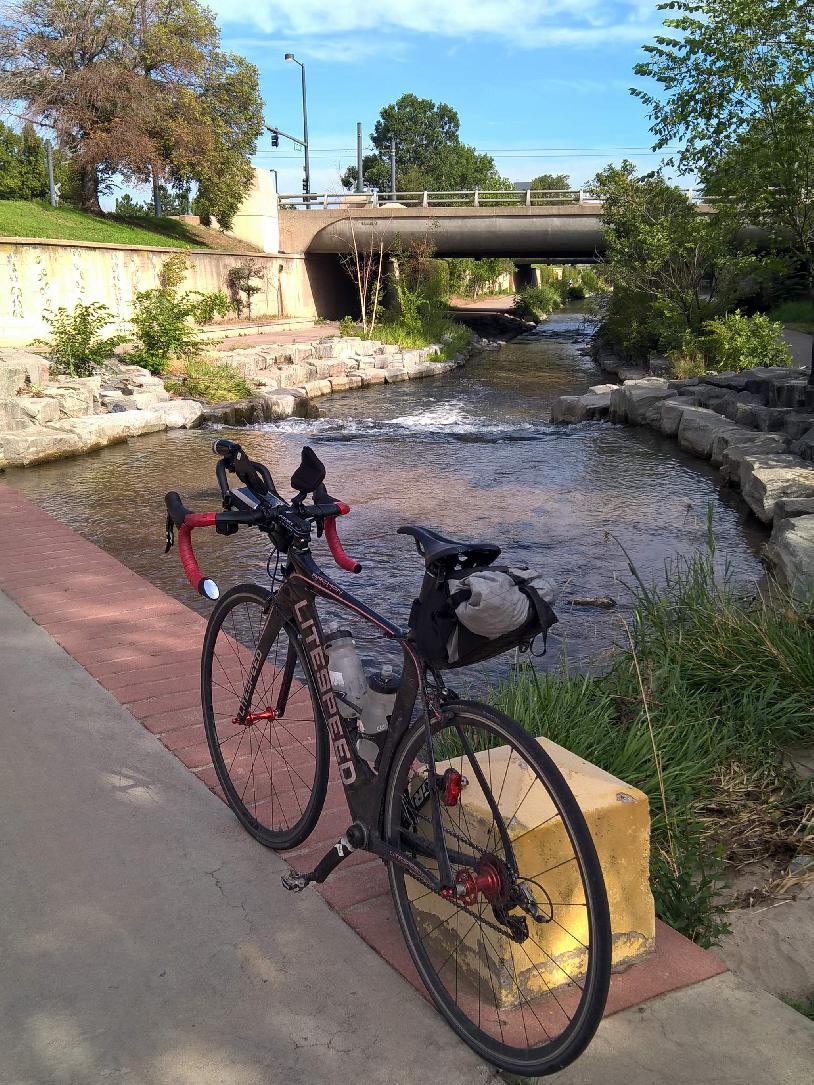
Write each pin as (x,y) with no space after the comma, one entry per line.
(480,918)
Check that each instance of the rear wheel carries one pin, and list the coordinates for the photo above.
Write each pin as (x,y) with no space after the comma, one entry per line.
(517,954)
(272,762)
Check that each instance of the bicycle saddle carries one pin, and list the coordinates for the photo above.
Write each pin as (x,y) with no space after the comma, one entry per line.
(434,547)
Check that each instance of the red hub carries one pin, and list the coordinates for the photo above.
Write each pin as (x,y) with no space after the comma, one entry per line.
(253,717)
(486,879)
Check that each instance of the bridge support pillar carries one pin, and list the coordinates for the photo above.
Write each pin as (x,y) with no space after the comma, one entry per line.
(525,275)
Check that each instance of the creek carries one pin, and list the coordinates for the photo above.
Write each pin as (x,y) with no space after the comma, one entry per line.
(470,453)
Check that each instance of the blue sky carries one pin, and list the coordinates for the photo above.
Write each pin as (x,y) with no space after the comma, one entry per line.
(540,84)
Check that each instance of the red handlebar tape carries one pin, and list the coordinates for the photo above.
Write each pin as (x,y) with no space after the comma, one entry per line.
(188,559)
(335,546)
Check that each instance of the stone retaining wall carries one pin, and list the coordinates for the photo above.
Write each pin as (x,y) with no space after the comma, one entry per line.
(756,426)
(44,275)
(43,419)
(289,378)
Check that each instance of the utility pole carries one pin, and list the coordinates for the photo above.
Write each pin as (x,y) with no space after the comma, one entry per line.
(49,161)
(307,179)
(360,181)
(392,167)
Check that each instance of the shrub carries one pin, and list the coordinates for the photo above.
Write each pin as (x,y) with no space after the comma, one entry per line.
(212,382)
(347,326)
(164,319)
(731,343)
(471,278)
(632,325)
(75,347)
(536,302)
(244,281)
(435,328)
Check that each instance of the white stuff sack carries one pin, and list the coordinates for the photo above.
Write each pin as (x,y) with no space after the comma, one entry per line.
(496,605)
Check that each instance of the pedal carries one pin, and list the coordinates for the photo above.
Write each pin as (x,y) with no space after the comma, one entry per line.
(294,881)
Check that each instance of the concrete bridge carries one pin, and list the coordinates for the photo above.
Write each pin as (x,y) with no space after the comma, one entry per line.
(523,226)
(540,233)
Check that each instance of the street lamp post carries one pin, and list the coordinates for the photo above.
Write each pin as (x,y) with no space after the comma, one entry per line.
(290,56)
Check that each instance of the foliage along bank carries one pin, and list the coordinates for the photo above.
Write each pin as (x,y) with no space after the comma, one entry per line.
(710,684)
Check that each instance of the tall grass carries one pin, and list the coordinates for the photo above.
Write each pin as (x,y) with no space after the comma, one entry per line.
(211,382)
(432,326)
(712,675)
(797,313)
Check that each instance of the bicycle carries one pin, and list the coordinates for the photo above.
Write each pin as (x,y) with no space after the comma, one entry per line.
(517,959)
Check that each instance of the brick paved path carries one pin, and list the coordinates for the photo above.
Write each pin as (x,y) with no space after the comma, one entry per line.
(144,647)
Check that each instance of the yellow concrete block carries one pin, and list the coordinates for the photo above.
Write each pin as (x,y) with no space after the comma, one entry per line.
(619,821)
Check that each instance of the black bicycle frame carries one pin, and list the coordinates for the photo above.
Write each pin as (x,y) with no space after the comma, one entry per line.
(365,790)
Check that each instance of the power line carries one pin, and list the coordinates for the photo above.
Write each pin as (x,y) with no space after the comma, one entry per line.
(513,150)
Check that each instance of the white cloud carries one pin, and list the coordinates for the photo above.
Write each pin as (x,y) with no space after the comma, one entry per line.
(337,50)
(524,23)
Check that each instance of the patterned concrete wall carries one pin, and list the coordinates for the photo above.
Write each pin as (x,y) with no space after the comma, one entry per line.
(37,276)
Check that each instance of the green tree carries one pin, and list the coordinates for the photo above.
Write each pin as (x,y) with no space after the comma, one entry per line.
(429,152)
(137,89)
(671,268)
(23,171)
(551,182)
(175,201)
(737,89)
(127,207)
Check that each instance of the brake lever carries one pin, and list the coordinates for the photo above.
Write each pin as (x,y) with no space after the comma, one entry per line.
(170,535)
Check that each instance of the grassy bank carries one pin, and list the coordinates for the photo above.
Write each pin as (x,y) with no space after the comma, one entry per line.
(23,218)
(797,314)
(453,337)
(709,684)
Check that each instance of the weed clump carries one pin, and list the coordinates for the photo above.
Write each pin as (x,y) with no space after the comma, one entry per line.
(712,681)
(211,382)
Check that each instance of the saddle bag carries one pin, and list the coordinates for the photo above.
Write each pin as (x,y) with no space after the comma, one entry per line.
(475,614)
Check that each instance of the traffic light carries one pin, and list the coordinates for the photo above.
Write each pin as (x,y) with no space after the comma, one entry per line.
(275,139)
(305,186)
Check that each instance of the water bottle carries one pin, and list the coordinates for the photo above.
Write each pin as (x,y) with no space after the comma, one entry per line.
(381,695)
(347,675)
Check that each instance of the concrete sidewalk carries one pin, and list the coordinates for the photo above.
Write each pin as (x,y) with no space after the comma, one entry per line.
(145,936)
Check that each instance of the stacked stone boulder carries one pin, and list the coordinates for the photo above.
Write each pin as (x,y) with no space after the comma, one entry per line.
(289,378)
(44,418)
(757,426)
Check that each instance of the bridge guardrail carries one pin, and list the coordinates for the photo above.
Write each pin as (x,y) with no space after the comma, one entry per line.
(327,201)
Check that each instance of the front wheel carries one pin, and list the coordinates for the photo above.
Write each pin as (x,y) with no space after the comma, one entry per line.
(516,955)
(271,755)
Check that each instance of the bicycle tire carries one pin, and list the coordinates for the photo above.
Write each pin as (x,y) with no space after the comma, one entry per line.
(293,744)
(520,1056)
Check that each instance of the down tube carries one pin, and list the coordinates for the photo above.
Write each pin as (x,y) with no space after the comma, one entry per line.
(353,771)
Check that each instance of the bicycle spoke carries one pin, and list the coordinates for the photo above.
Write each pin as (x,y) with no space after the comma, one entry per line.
(517,985)
(271,762)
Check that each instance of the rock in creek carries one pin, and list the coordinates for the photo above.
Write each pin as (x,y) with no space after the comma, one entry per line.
(581,408)
(791,554)
(630,402)
(765,480)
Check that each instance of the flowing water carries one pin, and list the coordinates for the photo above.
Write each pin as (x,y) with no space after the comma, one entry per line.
(470,453)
